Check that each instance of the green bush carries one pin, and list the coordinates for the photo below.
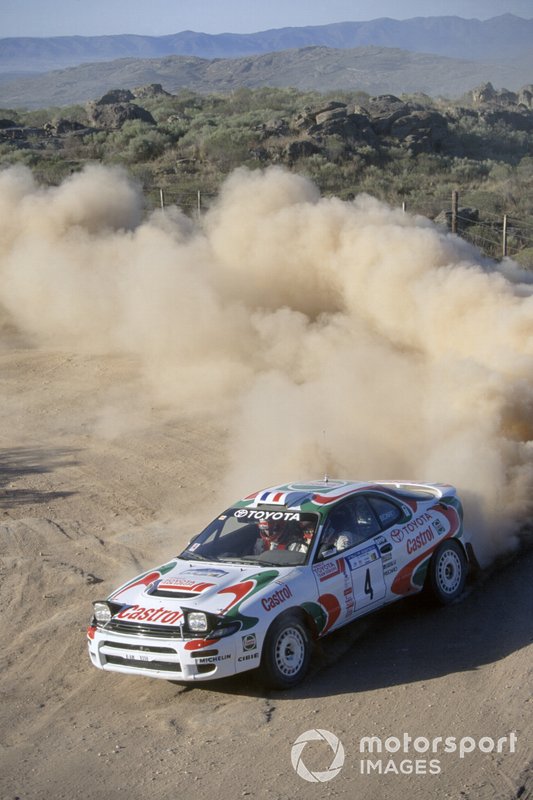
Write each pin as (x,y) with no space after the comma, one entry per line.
(524,257)
(199,139)
(146,146)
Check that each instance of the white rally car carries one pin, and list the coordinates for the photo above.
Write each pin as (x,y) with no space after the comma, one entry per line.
(277,570)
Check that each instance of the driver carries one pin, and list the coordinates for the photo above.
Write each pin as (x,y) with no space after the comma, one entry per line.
(273,535)
(305,533)
(282,535)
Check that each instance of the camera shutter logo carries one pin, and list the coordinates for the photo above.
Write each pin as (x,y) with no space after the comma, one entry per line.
(317,734)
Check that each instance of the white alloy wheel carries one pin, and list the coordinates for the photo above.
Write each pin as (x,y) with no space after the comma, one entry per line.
(447,572)
(289,651)
(286,652)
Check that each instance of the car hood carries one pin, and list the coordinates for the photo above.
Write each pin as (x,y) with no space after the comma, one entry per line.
(212,587)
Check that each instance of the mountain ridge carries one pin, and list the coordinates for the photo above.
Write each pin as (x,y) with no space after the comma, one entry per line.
(505,38)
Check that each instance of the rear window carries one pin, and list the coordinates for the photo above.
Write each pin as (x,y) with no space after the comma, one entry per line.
(388,513)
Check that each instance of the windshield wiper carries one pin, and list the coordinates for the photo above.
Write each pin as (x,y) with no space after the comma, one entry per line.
(196,557)
(239,560)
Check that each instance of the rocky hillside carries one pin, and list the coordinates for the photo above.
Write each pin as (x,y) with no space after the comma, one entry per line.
(375,70)
(380,121)
(408,149)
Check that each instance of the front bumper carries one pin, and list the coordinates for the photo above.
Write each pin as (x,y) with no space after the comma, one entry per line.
(166,657)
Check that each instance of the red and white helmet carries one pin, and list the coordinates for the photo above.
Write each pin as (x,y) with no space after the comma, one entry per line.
(271,531)
(308,529)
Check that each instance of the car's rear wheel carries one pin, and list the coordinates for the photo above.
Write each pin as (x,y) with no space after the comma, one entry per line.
(447,572)
(286,652)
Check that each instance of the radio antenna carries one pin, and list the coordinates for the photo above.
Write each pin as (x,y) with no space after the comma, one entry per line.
(326,479)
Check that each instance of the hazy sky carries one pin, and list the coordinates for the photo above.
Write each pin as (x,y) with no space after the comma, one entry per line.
(158,17)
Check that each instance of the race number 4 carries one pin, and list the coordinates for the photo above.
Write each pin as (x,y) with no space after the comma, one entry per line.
(368,585)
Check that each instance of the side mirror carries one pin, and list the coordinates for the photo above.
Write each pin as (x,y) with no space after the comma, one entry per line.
(326,551)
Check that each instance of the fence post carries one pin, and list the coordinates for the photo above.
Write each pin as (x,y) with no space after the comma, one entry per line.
(199,204)
(504,237)
(162,198)
(455,209)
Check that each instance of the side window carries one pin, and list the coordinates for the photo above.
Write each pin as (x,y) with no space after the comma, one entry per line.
(349,524)
(366,522)
(387,513)
(340,523)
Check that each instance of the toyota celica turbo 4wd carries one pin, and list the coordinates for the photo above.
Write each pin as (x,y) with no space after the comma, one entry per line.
(278,570)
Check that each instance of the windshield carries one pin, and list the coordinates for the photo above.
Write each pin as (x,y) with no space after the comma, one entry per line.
(255,536)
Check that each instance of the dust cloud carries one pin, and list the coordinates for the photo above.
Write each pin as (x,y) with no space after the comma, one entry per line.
(340,337)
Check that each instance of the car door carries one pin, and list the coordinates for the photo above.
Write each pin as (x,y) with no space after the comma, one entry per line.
(348,564)
(364,557)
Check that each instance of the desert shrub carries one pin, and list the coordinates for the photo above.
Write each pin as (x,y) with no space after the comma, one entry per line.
(13,114)
(174,127)
(524,168)
(146,146)
(524,257)
(336,149)
(53,171)
(464,171)
(486,237)
(244,99)
(26,157)
(198,139)
(39,117)
(226,147)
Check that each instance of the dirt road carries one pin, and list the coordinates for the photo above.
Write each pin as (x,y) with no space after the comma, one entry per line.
(91,494)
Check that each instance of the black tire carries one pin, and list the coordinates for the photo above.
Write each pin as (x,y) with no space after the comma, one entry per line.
(448,569)
(286,652)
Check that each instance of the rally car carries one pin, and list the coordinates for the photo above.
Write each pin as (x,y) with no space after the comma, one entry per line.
(278,570)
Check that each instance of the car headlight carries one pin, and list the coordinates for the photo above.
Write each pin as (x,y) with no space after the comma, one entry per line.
(197,622)
(102,612)
(200,623)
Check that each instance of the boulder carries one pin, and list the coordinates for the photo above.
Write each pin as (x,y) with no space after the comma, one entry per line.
(116,114)
(177,118)
(274,127)
(333,111)
(115,96)
(352,127)
(525,96)
(384,110)
(517,120)
(507,98)
(422,131)
(59,127)
(486,94)
(151,90)
(304,119)
(336,119)
(466,216)
(301,148)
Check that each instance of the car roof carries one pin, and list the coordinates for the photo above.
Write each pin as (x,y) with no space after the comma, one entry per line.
(322,493)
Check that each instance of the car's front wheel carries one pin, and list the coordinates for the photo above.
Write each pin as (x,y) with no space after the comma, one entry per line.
(286,652)
(447,572)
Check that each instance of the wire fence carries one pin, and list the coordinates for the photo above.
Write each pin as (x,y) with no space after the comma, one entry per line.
(497,234)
